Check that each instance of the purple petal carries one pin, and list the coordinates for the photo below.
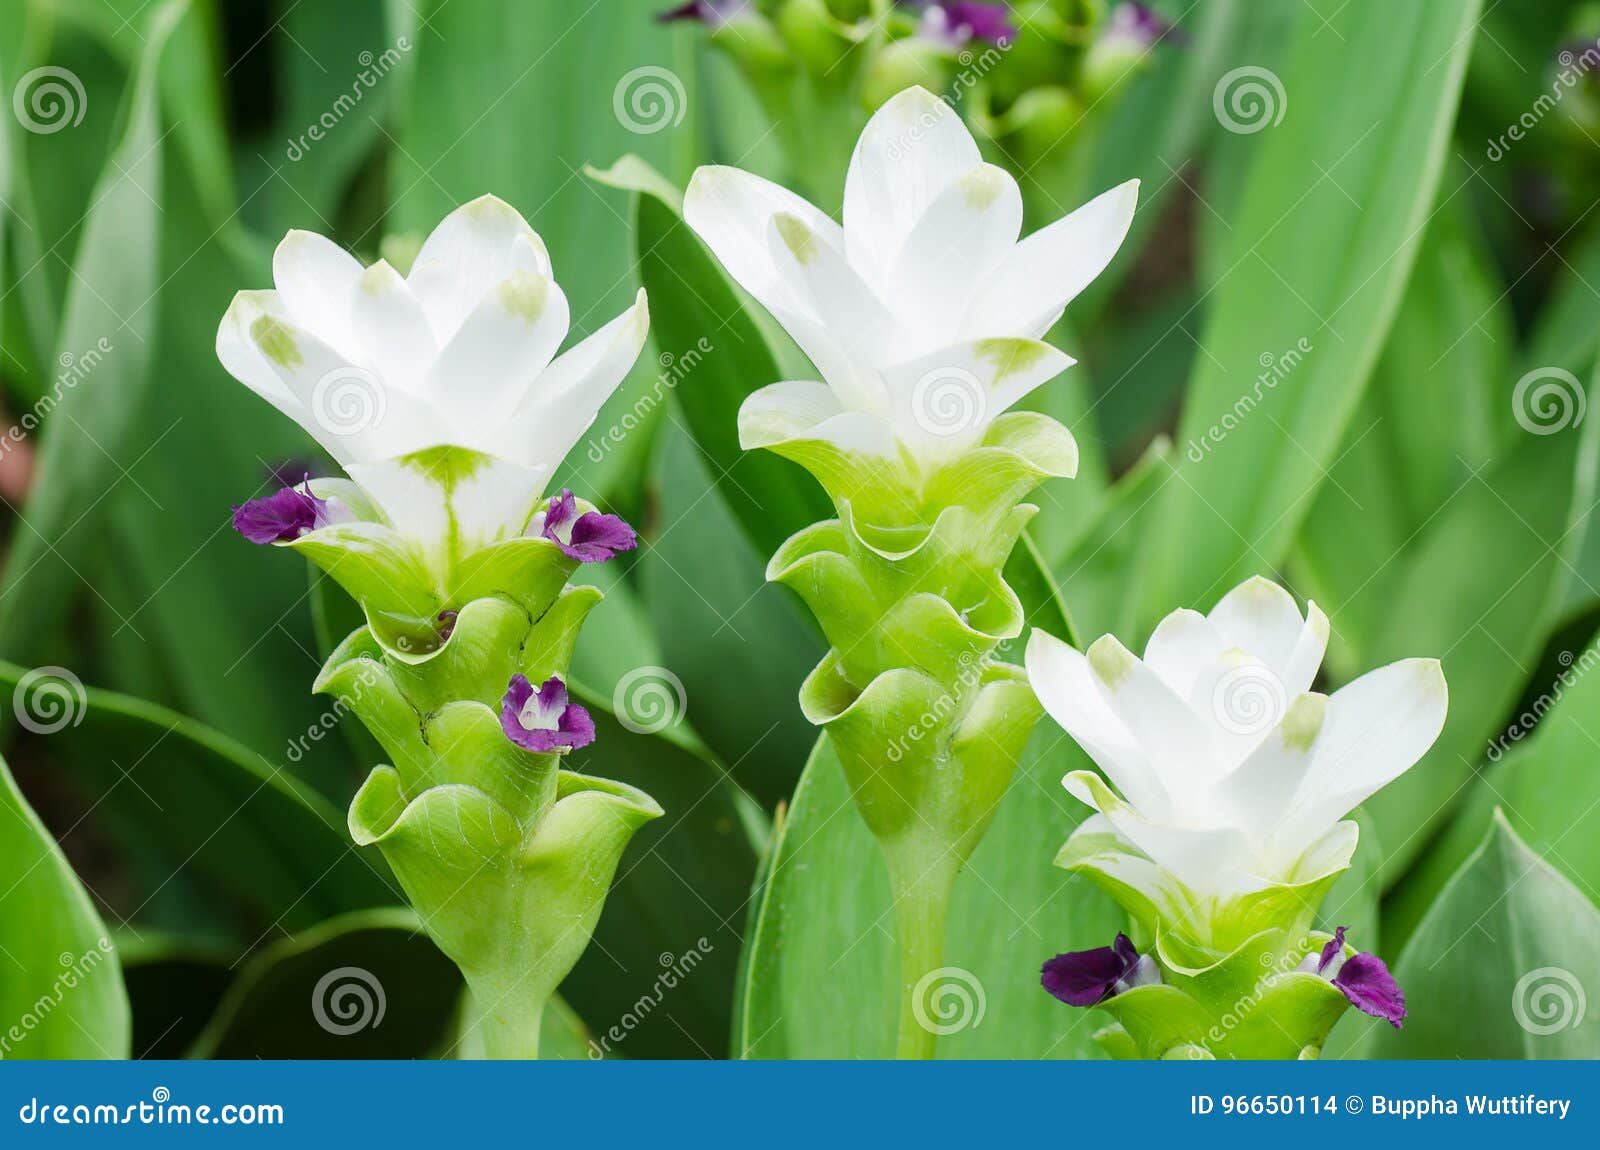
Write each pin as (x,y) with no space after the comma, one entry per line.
(560,512)
(991,22)
(597,537)
(447,624)
(544,722)
(713,13)
(1088,977)
(588,538)
(1370,987)
(1333,949)
(693,10)
(280,517)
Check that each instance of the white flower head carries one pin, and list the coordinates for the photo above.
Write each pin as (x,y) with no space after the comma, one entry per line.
(922,312)
(460,353)
(1230,775)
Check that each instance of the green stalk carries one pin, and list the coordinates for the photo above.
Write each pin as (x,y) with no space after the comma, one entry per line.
(921,910)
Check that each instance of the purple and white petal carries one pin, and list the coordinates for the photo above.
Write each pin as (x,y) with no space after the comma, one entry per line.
(587,538)
(544,720)
(1089,977)
(281,517)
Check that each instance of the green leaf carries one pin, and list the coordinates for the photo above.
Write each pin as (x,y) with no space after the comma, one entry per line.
(823,981)
(363,985)
(267,850)
(1481,589)
(106,333)
(1502,965)
(62,994)
(175,982)
(685,879)
(1545,786)
(1437,411)
(720,622)
(1320,250)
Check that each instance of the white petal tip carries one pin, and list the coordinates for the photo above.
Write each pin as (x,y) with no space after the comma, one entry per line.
(1110,661)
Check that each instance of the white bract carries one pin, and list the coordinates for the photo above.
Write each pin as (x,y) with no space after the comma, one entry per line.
(1231,775)
(923,312)
(461,352)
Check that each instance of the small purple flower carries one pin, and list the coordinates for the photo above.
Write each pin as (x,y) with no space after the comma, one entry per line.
(712,13)
(1089,977)
(447,625)
(954,22)
(543,721)
(1137,23)
(281,517)
(588,538)
(1363,978)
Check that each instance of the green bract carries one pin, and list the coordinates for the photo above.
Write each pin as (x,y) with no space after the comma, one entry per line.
(907,586)
(1251,1002)
(506,857)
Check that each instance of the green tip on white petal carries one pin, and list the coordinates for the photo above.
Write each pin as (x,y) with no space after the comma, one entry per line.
(380,279)
(1110,660)
(982,186)
(1303,722)
(796,236)
(275,341)
(524,294)
(490,207)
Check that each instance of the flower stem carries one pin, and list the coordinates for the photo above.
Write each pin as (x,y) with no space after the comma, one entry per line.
(921,908)
(507,1025)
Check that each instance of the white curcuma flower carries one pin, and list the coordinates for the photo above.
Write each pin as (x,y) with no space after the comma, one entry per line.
(460,353)
(923,312)
(1229,775)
